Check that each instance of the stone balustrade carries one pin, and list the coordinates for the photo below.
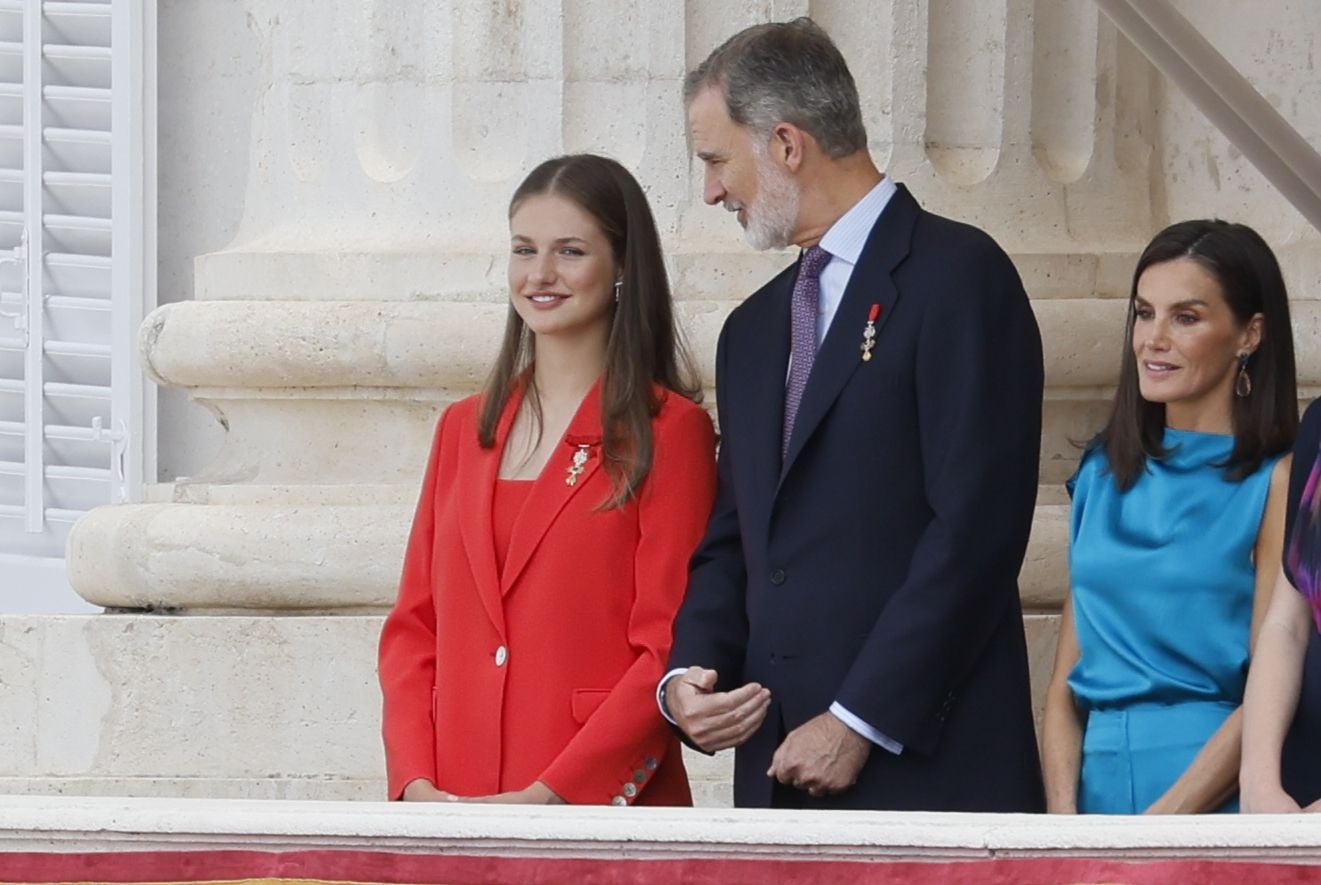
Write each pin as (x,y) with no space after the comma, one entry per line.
(43,838)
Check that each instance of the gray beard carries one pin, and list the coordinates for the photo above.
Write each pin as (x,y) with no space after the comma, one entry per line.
(771,219)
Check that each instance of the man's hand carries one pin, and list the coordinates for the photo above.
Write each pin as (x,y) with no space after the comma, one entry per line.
(822,756)
(715,720)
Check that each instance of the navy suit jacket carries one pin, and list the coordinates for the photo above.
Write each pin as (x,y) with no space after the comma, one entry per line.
(877,563)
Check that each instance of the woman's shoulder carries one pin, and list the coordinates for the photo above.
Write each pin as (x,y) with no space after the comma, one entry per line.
(1091,466)
(677,407)
(460,416)
(679,418)
(1305,450)
(1308,440)
(466,409)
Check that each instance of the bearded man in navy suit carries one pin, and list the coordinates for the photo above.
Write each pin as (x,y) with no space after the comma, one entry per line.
(852,623)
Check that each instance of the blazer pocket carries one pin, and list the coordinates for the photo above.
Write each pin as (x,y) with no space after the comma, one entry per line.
(584,701)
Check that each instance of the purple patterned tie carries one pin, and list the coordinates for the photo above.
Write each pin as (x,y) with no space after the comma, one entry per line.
(802,311)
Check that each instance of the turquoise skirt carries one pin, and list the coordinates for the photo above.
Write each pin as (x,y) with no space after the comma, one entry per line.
(1131,756)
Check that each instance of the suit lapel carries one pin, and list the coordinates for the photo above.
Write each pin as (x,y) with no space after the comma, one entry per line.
(478,470)
(761,389)
(552,492)
(871,283)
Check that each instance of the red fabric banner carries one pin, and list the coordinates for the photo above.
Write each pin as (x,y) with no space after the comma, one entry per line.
(398,868)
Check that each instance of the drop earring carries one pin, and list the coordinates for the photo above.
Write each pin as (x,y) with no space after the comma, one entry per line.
(1243,384)
(619,284)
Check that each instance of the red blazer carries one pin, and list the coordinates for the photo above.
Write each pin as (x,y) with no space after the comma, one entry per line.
(545,671)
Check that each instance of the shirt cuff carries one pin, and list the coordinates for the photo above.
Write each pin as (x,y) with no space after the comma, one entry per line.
(843,715)
(660,694)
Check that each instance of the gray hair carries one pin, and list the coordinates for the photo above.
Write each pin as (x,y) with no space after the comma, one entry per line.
(786,72)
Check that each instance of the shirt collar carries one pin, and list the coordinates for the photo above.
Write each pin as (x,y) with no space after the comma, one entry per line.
(847,236)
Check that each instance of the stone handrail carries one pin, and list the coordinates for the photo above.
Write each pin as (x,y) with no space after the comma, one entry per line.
(68,824)
(1229,101)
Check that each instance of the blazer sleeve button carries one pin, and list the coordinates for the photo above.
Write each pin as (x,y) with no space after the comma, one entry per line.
(778,577)
(619,800)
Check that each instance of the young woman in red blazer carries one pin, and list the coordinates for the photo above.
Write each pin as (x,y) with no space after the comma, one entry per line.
(560,507)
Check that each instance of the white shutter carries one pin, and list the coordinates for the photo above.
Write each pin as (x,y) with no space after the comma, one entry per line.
(72,287)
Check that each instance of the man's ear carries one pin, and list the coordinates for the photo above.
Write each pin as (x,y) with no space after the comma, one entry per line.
(787,146)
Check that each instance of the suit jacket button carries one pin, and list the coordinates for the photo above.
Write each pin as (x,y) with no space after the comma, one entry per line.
(778,577)
(501,655)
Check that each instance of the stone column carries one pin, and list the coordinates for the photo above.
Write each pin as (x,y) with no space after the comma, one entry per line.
(365,290)
(1030,119)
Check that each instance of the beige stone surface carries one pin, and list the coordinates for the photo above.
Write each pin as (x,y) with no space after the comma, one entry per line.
(236,706)
(449,346)
(219,707)
(363,288)
(231,557)
(266,788)
(33,823)
(149,705)
(378,168)
(322,557)
(1201,173)
(30,823)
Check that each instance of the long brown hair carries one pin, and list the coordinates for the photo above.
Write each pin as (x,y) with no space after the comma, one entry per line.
(644,347)
(1264,423)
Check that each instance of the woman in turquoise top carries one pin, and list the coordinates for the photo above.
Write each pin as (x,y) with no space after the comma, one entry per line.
(1175,534)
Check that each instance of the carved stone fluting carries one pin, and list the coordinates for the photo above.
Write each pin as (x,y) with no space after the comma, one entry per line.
(1030,119)
(381,152)
(1033,120)
(365,288)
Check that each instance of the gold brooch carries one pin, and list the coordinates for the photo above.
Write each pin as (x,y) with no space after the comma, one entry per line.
(579,464)
(869,333)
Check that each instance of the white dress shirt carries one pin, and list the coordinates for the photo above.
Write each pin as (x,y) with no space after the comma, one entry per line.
(844,241)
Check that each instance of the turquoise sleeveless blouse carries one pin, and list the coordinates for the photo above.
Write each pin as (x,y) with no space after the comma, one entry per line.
(1162,576)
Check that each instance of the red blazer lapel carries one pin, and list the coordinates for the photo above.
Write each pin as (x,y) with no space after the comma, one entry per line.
(553,490)
(478,469)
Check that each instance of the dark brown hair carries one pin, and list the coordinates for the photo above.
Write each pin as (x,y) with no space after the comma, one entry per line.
(1264,423)
(644,347)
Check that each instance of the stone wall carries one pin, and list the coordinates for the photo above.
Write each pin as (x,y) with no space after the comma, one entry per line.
(333,187)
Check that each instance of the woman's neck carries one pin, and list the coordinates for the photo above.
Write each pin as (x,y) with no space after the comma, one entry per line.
(565,371)
(1211,414)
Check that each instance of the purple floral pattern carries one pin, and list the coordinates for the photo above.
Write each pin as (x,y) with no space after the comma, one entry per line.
(1303,552)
